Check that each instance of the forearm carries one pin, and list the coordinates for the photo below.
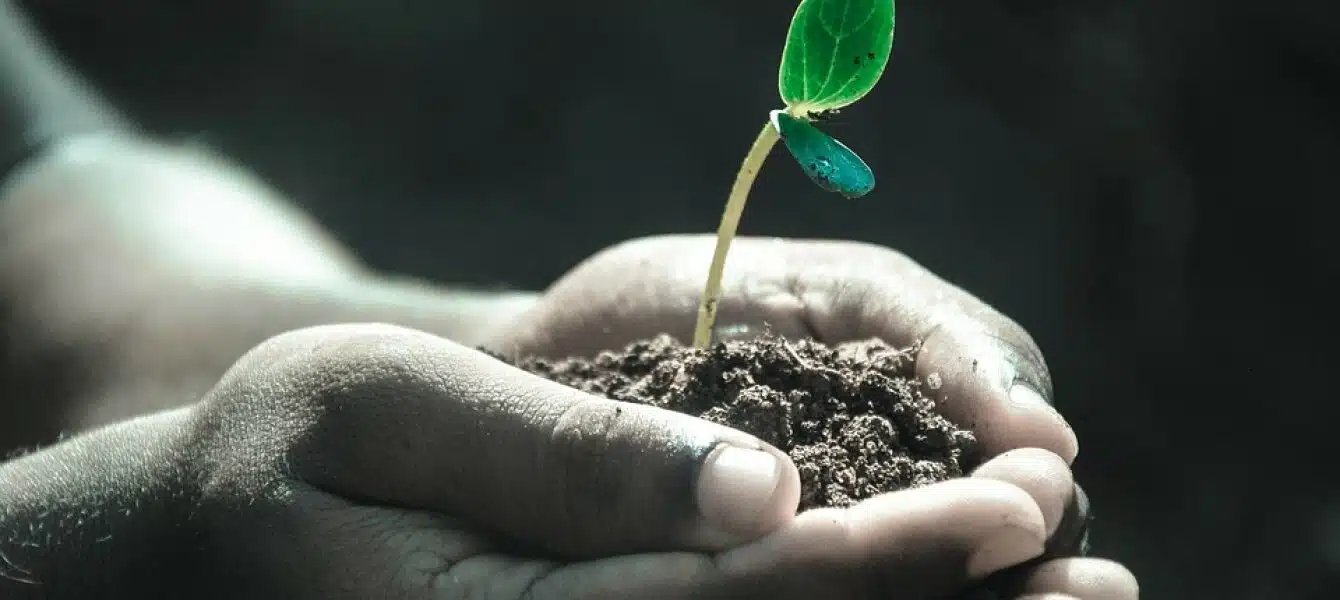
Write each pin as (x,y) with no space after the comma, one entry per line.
(134,273)
(40,99)
(102,515)
(179,349)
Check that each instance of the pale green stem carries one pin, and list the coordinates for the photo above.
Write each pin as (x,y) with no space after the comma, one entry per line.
(730,222)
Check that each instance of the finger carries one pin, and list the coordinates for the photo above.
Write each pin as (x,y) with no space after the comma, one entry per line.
(1072,535)
(1048,480)
(924,542)
(982,387)
(663,576)
(1023,419)
(315,545)
(1087,578)
(407,419)
(1042,474)
(983,369)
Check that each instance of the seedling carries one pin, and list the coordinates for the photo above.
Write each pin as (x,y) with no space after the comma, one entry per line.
(835,52)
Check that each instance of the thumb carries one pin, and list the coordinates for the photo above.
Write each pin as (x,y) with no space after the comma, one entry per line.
(420,422)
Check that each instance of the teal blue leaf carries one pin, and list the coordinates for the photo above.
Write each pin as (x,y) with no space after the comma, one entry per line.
(828,162)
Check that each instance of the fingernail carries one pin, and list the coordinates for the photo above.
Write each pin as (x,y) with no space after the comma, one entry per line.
(1010,547)
(737,490)
(1024,396)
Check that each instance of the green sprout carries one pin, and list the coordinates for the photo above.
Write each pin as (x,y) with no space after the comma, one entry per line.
(835,52)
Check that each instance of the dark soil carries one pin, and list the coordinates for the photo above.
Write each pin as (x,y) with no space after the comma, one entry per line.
(851,417)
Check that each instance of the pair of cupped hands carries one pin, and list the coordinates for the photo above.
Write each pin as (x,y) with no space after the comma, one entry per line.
(372,461)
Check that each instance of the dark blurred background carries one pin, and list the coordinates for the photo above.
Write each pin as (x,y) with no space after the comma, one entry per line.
(1149,186)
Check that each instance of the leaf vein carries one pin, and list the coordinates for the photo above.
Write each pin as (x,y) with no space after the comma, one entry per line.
(837,44)
(839,89)
(805,60)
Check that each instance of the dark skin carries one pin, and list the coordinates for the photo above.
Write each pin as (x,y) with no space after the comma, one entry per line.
(253,414)
(371,460)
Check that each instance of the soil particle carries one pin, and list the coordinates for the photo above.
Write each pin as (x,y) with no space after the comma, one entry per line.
(852,417)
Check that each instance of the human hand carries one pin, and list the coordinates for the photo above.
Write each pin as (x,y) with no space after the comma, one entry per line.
(991,374)
(992,377)
(370,461)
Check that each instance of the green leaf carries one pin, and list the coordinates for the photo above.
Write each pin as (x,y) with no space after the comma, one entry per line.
(835,52)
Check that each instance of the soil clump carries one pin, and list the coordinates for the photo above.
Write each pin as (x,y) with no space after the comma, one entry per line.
(853,417)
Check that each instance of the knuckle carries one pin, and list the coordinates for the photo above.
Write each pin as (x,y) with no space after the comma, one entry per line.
(582,431)
(423,560)
(1016,335)
(286,384)
(1002,342)
(353,354)
(1026,355)
(583,447)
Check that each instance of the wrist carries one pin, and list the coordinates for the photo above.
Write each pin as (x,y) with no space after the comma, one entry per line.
(466,316)
(105,514)
(157,367)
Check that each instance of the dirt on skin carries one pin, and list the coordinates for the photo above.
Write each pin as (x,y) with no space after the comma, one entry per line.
(852,417)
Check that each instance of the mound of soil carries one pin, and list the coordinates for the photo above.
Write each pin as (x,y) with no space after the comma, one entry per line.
(852,417)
